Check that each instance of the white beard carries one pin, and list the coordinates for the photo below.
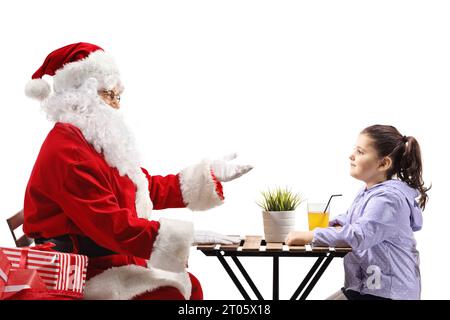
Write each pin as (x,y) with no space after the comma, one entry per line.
(104,128)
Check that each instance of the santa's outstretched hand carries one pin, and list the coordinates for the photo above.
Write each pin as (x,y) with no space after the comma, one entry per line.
(225,170)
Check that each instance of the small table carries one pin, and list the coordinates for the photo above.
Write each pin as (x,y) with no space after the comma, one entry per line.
(255,246)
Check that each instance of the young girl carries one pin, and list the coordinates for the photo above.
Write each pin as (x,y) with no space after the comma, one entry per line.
(380,224)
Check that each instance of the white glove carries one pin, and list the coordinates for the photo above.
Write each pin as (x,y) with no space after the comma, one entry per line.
(226,171)
(203,236)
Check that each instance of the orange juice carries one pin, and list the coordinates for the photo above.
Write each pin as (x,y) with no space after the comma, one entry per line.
(317,219)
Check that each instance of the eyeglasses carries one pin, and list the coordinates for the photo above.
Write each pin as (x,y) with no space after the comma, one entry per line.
(110,94)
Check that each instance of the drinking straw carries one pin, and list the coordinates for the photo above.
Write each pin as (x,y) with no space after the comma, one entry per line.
(334,195)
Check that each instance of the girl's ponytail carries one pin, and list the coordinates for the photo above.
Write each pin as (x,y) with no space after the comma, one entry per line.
(410,168)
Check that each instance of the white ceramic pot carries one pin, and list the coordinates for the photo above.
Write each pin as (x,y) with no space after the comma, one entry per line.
(277,225)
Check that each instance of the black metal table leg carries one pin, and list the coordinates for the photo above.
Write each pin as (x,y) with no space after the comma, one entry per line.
(317,277)
(247,277)
(276,278)
(307,278)
(232,276)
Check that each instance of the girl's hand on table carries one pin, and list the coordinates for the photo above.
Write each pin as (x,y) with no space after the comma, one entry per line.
(299,238)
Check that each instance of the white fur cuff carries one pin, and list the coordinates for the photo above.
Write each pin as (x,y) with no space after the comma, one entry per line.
(198,187)
(172,245)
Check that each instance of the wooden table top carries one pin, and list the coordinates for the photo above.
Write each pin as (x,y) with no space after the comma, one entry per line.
(257,246)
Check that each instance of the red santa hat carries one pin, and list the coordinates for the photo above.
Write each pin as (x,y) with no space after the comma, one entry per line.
(70,66)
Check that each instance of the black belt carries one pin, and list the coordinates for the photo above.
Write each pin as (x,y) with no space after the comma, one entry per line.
(86,246)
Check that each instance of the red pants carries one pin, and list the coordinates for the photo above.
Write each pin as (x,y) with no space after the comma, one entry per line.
(171,293)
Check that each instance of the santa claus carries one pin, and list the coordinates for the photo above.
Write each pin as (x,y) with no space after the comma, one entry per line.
(88,193)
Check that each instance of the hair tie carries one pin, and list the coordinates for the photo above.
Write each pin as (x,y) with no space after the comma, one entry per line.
(405,139)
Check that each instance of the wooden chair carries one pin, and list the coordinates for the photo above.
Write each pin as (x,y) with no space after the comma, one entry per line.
(15,222)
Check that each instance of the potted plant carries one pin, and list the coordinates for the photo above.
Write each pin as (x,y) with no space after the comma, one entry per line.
(279,213)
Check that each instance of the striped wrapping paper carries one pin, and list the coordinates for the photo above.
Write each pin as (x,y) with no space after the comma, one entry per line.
(59,271)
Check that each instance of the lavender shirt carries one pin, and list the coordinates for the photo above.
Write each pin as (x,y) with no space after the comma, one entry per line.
(379,226)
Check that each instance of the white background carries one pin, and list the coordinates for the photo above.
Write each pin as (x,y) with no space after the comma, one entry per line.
(286,84)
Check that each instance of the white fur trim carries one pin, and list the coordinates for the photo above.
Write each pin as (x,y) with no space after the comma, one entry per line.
(144,205)
(98,65)
(198,187)
(172,245)
(124,283)
(37,89)
(106,130)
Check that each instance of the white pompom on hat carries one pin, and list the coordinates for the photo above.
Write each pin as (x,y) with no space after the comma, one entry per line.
(37,89)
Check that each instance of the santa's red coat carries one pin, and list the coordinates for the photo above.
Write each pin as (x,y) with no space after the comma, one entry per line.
(72,190)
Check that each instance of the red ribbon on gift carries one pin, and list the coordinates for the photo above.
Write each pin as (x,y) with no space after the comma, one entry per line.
(48,246)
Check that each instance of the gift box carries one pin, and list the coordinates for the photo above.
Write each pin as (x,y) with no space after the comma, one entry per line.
(14,281)
(22,279)
(60,272)
(5,266)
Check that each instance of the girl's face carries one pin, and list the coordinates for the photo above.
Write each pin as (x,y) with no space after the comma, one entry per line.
(365,163)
